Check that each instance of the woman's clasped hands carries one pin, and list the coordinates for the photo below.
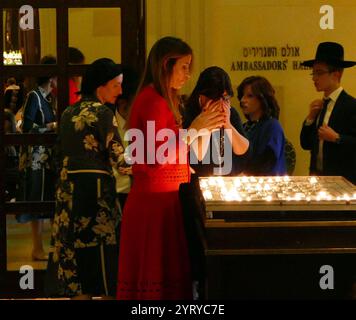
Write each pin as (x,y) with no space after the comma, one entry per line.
(214,115)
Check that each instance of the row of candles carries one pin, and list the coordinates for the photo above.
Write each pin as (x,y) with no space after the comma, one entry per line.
(269,189)
(12,57)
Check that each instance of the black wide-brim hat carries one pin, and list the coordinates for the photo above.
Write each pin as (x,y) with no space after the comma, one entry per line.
(332,54)
(98,73)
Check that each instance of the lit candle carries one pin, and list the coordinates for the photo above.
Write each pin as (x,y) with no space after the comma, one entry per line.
(267,187)
(322,194)
(212,182)
(313,180)
(203,183)
(223,190)
(220,182)
(237,183)
(244,179)
(207,195)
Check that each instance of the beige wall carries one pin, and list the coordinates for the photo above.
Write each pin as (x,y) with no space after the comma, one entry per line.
(218,30)
(184,19)
(48,32)
(96,32)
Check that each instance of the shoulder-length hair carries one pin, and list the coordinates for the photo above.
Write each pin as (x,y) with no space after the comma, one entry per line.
(263,90)
(159,69)
(212,83)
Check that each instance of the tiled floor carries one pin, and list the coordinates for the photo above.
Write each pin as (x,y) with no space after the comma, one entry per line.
(19,244)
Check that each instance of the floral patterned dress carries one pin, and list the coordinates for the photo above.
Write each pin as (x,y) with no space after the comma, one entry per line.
(84,238)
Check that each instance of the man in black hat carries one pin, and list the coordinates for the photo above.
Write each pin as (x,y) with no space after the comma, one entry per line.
(329,130)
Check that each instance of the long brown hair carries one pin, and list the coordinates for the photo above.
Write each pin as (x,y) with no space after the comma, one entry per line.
(159,68)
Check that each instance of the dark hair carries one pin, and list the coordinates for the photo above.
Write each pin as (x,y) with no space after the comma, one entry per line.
(332,68)
(263,90)
(159,68)
(130,83)
(212,83)
(11,81)
(75,56)
(99,73)
(46,60)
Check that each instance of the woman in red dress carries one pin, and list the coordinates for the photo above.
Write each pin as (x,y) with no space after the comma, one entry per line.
(154,261)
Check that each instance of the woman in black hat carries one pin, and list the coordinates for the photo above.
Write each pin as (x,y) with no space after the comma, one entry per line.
(83,262)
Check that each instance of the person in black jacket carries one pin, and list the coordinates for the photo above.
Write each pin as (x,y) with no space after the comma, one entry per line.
(213,90)
(329,130)
(36,165)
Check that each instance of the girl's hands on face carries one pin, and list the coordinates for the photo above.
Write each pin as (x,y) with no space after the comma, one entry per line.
(222,106)
(212,105)
(212,116)
(210,119)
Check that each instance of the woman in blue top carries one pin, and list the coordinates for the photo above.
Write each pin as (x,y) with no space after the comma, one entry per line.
(258,103)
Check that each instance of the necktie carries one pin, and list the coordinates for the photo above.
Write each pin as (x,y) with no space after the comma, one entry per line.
(319,146)
(323,112)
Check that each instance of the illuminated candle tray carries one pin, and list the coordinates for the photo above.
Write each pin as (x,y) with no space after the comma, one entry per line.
(278,191)
(12,58)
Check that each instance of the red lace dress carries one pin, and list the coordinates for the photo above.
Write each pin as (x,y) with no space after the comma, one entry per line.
(154,262)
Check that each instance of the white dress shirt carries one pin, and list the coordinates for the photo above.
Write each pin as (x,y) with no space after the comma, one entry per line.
(333,97)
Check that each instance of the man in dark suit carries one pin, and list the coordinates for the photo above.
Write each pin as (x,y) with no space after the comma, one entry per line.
(329,130)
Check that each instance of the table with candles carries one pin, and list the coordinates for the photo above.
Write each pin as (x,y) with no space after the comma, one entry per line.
(301,218)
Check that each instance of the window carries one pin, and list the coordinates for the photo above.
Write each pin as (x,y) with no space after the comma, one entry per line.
(60,24)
